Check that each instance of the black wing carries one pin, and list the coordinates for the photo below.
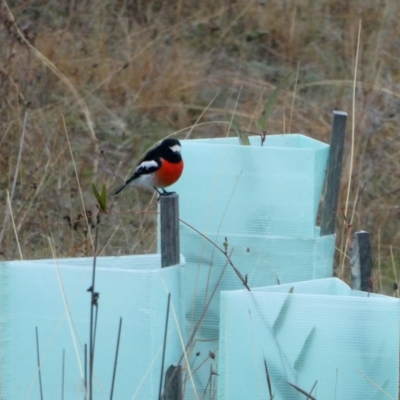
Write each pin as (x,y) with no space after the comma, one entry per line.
(144,168)
(151,162)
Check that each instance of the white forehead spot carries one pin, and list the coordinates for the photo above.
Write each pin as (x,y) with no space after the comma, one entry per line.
(147,165)
(176,148)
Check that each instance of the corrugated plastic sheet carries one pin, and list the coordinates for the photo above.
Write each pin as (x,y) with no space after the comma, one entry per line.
(270,190)
(265,260)
(134,288)
(344,341)
(264,200)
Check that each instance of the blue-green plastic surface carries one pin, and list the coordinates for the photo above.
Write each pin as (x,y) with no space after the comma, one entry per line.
(264,200)
(265,261)
(259,190)
(261,201)
(346,341)
(134,288)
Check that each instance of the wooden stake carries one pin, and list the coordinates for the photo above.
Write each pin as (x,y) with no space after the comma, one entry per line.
(173,383)
(333,173)
(361,261)
(169,220)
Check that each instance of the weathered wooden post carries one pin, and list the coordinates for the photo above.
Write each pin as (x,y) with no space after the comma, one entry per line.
(333,173)
(170,255)
(173,383)
(169,219)
(361,261)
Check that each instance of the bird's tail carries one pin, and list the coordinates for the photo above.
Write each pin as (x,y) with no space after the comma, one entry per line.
(118,191)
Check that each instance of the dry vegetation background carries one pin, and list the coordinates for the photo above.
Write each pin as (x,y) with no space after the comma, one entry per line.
(116,76)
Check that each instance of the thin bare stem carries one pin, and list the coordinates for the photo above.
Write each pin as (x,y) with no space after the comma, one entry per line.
(294,96)
(394,272)
(116,359)
(256,110)
(77,180)
(234,111)
(376,385)
(164,347)
(200,117)
(353,125)
(379,261)
(353,120)
(38,363)
(86,381)
(11,196)
(93,320)
(56,72)
(243,279)
(13,224)
(63,375)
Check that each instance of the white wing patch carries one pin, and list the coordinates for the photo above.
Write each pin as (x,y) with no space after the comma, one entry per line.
(146,165)
(176,148)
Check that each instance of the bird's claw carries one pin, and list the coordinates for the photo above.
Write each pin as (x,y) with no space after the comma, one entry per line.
(163,193)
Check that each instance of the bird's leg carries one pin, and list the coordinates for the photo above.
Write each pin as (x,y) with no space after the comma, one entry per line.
(159,193)
(165,193)
(157,190)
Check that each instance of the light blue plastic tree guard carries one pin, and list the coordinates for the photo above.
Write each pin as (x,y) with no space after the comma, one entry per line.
(264,200)
(33,293)
(270,190)
(346,341)
(265,260)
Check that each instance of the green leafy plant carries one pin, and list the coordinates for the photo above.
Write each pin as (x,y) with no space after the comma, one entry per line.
(101,198)
(269,106)
(243,138)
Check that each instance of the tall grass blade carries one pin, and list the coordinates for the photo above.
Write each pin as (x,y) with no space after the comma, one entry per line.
(101,198)
(300,390)
(243,138)
(271,396)
(299,363)
(313,387)
(269,105)
(280,319)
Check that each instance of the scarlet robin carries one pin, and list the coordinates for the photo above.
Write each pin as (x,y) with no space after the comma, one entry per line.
(160,168)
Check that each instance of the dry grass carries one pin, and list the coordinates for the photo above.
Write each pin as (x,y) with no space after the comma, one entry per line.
(139,71)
